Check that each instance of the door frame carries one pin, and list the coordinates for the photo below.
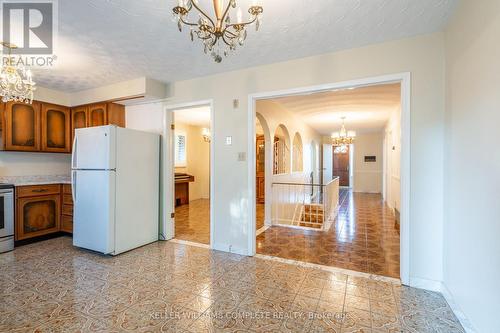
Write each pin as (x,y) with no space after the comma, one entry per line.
(405,80)
(167,231)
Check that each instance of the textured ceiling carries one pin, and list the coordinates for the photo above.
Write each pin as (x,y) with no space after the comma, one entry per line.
(366,109)
(107,41)
(199,116)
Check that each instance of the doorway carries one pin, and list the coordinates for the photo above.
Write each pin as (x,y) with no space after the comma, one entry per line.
(403,81)
(342,165)
(188,144)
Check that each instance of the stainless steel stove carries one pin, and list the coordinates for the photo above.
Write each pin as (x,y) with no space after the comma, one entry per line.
(6,217)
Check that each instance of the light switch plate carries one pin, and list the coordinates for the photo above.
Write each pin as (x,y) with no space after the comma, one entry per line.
(229,140)
(242,157)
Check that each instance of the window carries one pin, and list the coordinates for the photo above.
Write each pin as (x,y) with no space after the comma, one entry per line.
(180,150)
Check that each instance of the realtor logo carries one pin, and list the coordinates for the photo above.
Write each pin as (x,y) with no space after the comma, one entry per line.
(31,26)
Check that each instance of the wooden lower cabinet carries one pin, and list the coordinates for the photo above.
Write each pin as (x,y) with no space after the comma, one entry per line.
(42,210)
(67,209)
(37,216)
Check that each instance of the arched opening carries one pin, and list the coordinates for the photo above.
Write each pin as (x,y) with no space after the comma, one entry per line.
(297,154)
(281,151)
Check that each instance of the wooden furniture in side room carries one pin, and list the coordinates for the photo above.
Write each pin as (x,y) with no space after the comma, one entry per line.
(97,115)
(116,114)
(56,128)
(261,168)
(38,210)
(21,128)
(67,209)
(182,181)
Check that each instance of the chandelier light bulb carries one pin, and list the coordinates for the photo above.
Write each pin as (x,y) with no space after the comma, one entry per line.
(239,15)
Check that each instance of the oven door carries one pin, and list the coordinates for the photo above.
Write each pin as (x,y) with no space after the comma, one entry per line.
(6,213)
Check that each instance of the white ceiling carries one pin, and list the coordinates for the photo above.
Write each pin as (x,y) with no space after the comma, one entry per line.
(107,41)
(366,109)
(199,116)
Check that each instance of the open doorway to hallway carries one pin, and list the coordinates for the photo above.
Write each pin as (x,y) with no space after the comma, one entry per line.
(191,144)
(328,204)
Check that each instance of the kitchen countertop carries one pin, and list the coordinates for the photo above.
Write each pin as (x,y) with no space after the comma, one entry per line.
(35,180)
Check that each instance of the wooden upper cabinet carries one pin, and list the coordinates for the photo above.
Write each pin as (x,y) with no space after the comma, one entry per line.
(98,115)
(116,114)
(22,126)
(79,118)
(56,128)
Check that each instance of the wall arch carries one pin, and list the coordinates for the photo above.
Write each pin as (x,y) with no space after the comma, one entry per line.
(297,153)
(281,150)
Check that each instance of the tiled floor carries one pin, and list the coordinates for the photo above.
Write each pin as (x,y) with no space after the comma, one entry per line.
(167,287)
(192,222)
(362,238)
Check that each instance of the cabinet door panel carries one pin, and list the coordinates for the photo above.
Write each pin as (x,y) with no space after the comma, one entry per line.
(37,216)
(98,115)
(22,126)
(55,128)
(79,119)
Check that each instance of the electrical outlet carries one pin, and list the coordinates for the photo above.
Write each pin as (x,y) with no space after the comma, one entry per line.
(242,157)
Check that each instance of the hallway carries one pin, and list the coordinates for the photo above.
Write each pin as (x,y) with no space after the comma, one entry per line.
(364,238)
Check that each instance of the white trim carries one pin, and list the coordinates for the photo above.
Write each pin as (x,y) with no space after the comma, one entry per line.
(441,288)
(466,324)
(168,182)
(263,229)
(426,284)
(405,80)
(188,243)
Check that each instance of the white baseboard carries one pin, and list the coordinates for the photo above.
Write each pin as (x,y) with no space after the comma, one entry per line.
(263,229)
(466,324)
(426,284)
(440,287)
(230,249)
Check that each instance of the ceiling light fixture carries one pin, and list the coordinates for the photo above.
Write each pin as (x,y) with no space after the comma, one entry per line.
(16,82)
(343,138)
(207,136)
(219,35)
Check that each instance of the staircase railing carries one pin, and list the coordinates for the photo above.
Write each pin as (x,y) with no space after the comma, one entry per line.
(305,205)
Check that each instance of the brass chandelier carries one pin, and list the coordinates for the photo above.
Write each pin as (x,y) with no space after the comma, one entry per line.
(343,137)
(219,36)
(16,82)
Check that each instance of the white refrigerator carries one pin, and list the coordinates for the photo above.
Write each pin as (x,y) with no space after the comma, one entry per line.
(115,184)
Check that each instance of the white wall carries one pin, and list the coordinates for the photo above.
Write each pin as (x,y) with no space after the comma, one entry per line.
(423,56)
(34,164)
(368,175)
(198,160)
(392,160)
(472,164)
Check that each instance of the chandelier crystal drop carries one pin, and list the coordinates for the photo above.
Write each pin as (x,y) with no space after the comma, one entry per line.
(16,82)
(343,138)
(220,36)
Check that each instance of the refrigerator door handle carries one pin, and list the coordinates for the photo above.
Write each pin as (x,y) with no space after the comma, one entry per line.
(73,185)
(73,156)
